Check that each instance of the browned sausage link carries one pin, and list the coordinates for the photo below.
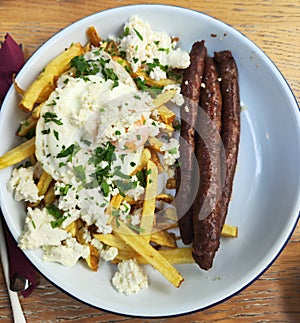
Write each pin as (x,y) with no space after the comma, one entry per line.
(190,89)
(206,208)
(230,133)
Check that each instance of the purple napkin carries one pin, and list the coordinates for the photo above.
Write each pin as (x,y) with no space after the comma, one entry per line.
(11,61)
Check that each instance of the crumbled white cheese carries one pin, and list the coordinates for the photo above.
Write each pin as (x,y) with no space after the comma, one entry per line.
(178,97)
(22,185)
(38,230)
(108,253)
(67,253)
(130,277)
(157,74)
(68,200)
(144,46)
(171,149)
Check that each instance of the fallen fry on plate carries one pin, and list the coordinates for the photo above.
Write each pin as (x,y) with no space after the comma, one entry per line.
(229,231)
(112,241)
(18,153)
(172,256)
(152,256)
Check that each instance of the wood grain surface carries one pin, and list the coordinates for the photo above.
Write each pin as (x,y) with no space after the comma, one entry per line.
(274,25)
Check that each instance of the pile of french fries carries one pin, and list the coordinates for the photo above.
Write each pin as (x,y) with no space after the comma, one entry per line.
(156,241)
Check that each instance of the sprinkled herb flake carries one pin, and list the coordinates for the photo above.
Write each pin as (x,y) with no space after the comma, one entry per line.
(68,152)
(57,214)
(64,190)
(45,132)
(56,134)
(52,117)
(138,34)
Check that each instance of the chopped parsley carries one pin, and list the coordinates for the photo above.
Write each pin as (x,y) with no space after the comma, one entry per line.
(138,34)
(57,214)
(156,63)
(64,190)
(68,152)
(84,67)
(56,134)
(46,132)
(52,117)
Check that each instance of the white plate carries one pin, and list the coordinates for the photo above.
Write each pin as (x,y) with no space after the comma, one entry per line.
(266,198)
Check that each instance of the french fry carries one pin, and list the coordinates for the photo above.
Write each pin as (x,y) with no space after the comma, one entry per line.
(44,183)
(164,238)
(167,116)
(163,98)
(173,256)
(49,196)
(18,153)
(55,68)
(112,241)
(80,231)
(145,156)
(45,93)
(37,111)
(229,231)
(72,228)
(143,248)
(93,258)
(93,36)
(147,217)
(154,157)
(28,124)
(155,143)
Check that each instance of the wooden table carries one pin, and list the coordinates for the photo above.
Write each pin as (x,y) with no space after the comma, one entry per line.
(274,25)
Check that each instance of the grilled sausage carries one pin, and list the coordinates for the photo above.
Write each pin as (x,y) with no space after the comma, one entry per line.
(206,208)
(230,135)
(190,89)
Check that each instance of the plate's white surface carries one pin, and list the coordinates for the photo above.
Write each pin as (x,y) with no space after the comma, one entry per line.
(266,198)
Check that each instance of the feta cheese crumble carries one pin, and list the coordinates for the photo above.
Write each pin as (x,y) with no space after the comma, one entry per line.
(130,277)
(38,231)
(154,49)
(22,185)
(67,253)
